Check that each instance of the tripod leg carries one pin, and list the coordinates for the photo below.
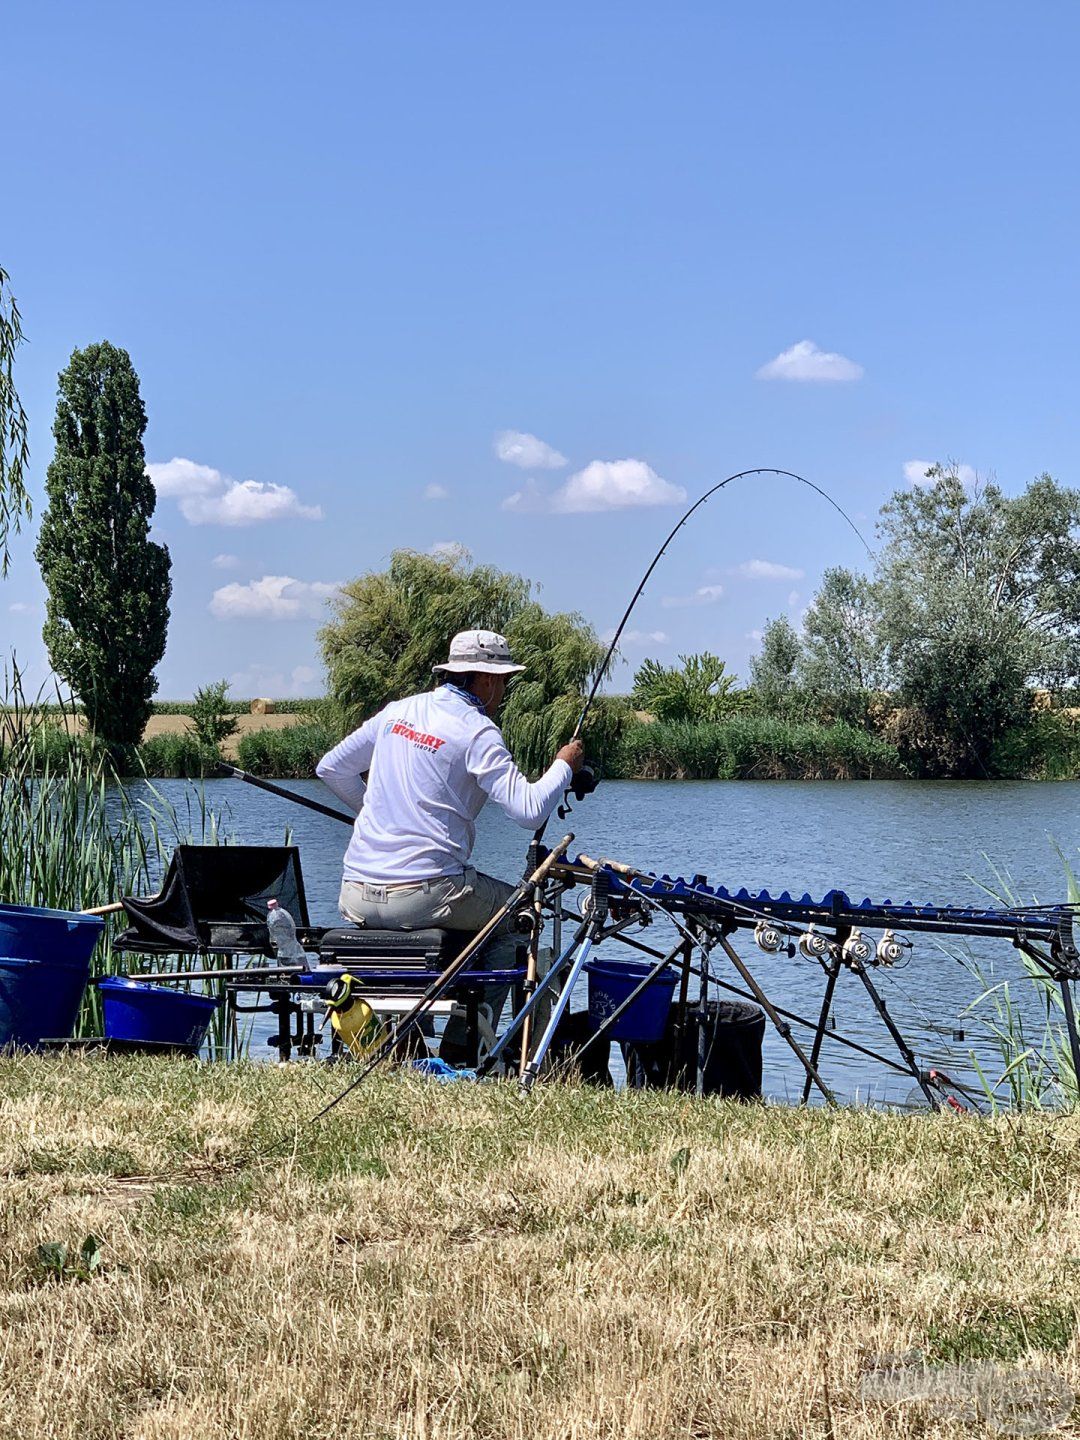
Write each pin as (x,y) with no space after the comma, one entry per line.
(783,1029)
(906,1052)
(832,971)
(1070,1026)
(532,1069)
(531,1004)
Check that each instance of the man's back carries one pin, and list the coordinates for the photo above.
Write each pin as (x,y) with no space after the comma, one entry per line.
(432,761)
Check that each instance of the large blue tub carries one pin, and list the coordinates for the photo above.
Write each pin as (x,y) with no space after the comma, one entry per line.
(154,1013)
(612,982)
(44,967)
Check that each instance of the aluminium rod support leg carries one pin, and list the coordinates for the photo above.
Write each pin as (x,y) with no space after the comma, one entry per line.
(530,1006)
(832,971)
(536,1060)
(1070,1026)
(906,1052)
(783,1029)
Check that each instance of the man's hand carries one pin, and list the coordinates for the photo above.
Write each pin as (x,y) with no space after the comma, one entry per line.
(573,754)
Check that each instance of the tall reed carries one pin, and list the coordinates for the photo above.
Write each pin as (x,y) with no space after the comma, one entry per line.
(1037,1068)
(71,834)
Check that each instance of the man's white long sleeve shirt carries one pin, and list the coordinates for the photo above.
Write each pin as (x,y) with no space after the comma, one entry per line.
(432,762)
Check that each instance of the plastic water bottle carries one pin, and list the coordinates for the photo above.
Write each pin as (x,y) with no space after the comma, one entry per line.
(282,929)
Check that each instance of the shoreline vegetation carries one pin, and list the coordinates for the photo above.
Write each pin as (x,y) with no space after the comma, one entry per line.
(590,1263)
(287,742)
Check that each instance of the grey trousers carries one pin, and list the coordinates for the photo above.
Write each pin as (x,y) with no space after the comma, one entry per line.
(452,902)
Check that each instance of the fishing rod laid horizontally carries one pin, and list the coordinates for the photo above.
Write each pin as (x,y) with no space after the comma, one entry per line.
(280,790)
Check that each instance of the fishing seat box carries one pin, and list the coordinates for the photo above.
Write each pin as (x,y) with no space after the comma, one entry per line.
(356,947)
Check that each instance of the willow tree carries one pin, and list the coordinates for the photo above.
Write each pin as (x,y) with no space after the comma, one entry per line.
(391,626)
(107,611)
(14,451)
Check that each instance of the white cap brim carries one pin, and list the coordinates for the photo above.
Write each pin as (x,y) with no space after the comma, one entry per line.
(481,667)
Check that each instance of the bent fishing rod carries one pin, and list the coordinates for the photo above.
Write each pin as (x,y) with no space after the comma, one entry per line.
(602,669)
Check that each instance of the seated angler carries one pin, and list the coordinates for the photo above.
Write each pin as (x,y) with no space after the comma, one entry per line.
(432,762)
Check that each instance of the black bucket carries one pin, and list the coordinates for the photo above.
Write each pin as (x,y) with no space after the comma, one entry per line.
(733,1035)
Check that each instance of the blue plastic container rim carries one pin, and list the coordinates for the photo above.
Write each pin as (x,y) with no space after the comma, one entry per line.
(73,918)
(630,970)
(54,962)
(132,988)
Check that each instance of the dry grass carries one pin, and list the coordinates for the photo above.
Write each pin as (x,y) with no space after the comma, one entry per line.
(179,724)
(457,1262)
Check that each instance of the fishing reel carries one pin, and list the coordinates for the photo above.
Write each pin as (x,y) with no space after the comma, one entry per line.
(890,950)
(857,950)
(814,945)
(581,784)
(771,939)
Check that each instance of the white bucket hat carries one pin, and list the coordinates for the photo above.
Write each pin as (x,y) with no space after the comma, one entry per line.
(479,651)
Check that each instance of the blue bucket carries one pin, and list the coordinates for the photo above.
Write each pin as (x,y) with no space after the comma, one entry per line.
(154,1013)
(611,982)
(44,967)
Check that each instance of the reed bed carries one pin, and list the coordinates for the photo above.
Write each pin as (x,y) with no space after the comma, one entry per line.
(72,836)
(454,1262)
(753,747)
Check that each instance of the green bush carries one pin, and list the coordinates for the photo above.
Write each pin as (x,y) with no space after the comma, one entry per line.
(173,757)
(752,747)
(211,720)
(289,754)
(1047,748)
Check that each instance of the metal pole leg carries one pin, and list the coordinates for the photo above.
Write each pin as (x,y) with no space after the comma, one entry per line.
(906,1052)
(532,1069)
(1070,1025)
(533,1001)
(783,1029)
(832,971)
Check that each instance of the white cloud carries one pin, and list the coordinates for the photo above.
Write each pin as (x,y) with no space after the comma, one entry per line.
(601,485)
(517,447)
(275,684)
(436,492)
(448,550)
(274,597)
(529,499)
(756,635)
(805,361)
(915,473)
(766,570)
(225,562)
(20,607)
(703,595)
(614,485)
(794,598)
(636,637)
(207,497)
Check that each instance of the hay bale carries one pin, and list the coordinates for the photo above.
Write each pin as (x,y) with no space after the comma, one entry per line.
(262,707)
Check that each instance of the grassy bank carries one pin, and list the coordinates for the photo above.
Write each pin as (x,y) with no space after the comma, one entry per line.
(450,1262)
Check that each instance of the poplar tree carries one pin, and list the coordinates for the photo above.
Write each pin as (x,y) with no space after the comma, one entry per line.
(107,611)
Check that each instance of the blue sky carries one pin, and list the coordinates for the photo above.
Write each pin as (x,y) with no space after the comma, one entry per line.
(349,246)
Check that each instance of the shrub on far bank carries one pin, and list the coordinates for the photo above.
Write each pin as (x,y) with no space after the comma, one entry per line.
(753,747)
(173,757)
(289,754)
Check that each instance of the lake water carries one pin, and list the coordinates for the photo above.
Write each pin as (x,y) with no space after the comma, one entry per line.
(886,840)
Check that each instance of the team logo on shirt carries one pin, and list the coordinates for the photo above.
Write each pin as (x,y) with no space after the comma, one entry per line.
(423,741)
